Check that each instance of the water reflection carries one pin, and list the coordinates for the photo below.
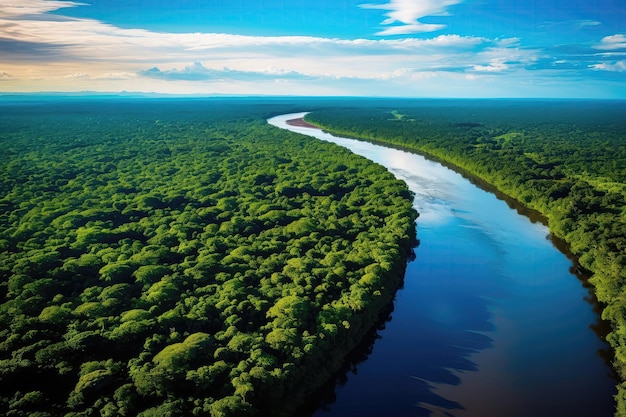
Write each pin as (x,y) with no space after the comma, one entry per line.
(489,322)
(437,347)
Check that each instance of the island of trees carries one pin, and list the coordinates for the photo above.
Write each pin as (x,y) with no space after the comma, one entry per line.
(566,160)
(184,258)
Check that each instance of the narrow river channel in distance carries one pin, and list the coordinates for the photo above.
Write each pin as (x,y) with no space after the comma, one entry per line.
(491,321)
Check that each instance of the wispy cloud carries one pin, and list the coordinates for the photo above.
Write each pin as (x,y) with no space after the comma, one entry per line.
(618,66)
(496,65)
(580,24)
(77,75)
(613,42)
(407,14)
(569,25)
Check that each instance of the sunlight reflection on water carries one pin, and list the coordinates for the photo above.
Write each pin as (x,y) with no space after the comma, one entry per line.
(490,321)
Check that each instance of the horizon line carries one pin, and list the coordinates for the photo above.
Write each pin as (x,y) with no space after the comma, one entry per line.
(140,94)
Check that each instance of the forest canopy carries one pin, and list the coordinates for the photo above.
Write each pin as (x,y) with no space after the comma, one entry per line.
(172,257)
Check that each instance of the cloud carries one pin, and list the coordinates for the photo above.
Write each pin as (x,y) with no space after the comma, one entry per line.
(453,41)
(569,60)
(508,42)
(195,72)
(580,24)
(11,8)
(198,72)
(618,66)
(15,49)
(411,29)
(42,51)
(116,76)
(408,14)
(340,59)
(78,75)
(496,65)
(86,40)
(613,42)
(505,56)
(110,76)
(568,25)
(92,47)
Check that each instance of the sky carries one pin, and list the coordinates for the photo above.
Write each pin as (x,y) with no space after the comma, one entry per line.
(379,48)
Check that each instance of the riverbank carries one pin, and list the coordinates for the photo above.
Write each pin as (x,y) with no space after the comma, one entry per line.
(575,211)
(524,210)
(481,269)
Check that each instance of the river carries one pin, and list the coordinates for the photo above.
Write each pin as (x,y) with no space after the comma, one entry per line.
(491,321)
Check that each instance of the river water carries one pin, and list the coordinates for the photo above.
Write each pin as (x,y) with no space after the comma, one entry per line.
(491,321)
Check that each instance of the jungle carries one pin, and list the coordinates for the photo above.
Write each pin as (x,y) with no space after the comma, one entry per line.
(182,257)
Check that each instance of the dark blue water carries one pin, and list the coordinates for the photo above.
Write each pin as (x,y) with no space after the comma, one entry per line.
(491,321)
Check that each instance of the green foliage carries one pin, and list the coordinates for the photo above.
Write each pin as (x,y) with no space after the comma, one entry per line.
(232,406)
(566,160)
(184,258)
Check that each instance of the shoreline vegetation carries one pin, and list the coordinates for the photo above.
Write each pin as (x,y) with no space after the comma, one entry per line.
(568,164)
(534,215)
(167,258)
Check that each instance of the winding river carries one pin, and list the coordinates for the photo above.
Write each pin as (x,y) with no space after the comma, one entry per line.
(491,321)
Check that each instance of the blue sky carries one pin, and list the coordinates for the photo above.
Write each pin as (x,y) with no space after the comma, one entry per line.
(404,48)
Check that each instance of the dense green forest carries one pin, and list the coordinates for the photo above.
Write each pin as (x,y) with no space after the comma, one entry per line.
(565,159)
(181,258)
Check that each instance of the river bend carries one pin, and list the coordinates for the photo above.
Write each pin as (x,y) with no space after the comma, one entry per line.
(491,321)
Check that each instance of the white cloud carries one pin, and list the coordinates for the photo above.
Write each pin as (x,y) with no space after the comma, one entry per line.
(86,39)
(609,43)
(32,7)
(498,56)
(407,13)
(610,54)
(452,41)
(619,66)
(78,75)
(569,25)
(411,29)
(585,23)
(117,76)
(85,46)
(44,52)
(496,65)
(508,42)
